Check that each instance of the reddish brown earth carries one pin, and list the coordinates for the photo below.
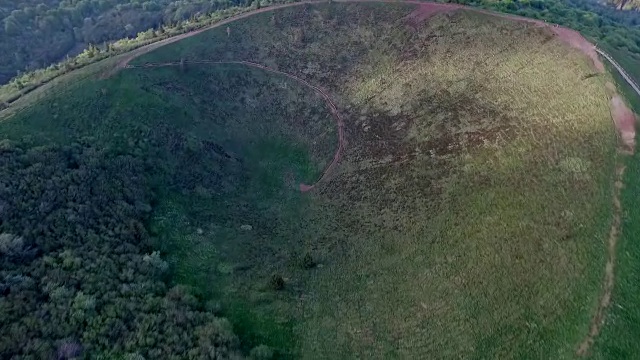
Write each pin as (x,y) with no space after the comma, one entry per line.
(576,40)
(624,120)
(425,10)
(568,36)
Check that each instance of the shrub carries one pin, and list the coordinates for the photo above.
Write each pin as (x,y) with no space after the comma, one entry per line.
(308,262)
(277,282)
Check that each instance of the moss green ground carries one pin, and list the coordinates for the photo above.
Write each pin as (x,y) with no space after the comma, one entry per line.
(467,219)
(619,334)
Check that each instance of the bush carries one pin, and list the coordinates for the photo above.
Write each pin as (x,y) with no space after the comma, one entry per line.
(308,262)
(277,282)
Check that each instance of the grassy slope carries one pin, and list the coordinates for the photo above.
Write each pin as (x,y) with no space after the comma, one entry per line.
(618,339)
(464,251)
(467,219)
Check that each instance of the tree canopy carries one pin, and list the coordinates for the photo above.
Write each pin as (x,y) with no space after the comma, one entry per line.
(77,274)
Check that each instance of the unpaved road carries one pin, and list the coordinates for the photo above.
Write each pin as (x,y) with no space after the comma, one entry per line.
(620,115)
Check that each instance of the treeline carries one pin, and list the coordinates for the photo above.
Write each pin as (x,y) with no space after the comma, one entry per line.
(37,33)
(78,278)
(31,80)
(601,23)
(610,28)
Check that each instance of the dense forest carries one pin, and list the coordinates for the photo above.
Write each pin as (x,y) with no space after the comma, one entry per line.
(78,278)
(37,33)
(601,23)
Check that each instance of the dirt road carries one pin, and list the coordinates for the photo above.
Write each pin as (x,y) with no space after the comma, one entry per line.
(569,36)
(623,121)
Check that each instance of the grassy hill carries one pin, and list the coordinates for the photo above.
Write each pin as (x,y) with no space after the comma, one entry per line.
(469,213)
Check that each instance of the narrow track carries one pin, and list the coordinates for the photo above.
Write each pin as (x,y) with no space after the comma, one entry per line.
(332,107)
(569,36)
(598,320)
(626,147)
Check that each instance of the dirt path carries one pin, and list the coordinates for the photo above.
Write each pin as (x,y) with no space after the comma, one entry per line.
(424,11)
(124,60)
(609,277)
(332,107)
(569,36)
(623,118)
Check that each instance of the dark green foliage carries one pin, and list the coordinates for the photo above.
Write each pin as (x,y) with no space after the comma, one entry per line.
(276,282)
(308,262)
(37,33)
(76,272)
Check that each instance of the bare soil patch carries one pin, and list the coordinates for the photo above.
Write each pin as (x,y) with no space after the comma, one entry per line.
(624,120)
(574,39)
(426,10)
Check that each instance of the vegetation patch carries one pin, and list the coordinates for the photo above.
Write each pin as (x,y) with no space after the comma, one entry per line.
(467,217)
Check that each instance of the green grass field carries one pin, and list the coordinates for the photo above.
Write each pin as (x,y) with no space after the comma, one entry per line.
(617,340)
(468,217)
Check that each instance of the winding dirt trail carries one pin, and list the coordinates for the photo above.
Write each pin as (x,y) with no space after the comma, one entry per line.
(128,57)
(424,10)
(332,107)
(598,319)
(623,118)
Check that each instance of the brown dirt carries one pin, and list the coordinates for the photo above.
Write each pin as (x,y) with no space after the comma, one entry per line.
(425,10)
(577,41)
(624,120)
(568,36)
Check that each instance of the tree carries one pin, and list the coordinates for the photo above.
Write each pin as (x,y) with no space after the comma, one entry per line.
(12,25)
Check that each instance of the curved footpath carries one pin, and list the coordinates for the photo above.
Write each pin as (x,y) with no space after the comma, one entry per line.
(621,115)
(332,107)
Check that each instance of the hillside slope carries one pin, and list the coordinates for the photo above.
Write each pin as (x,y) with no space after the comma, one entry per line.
(468,215)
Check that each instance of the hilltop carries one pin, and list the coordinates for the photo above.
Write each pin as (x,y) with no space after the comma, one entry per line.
(336,180)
